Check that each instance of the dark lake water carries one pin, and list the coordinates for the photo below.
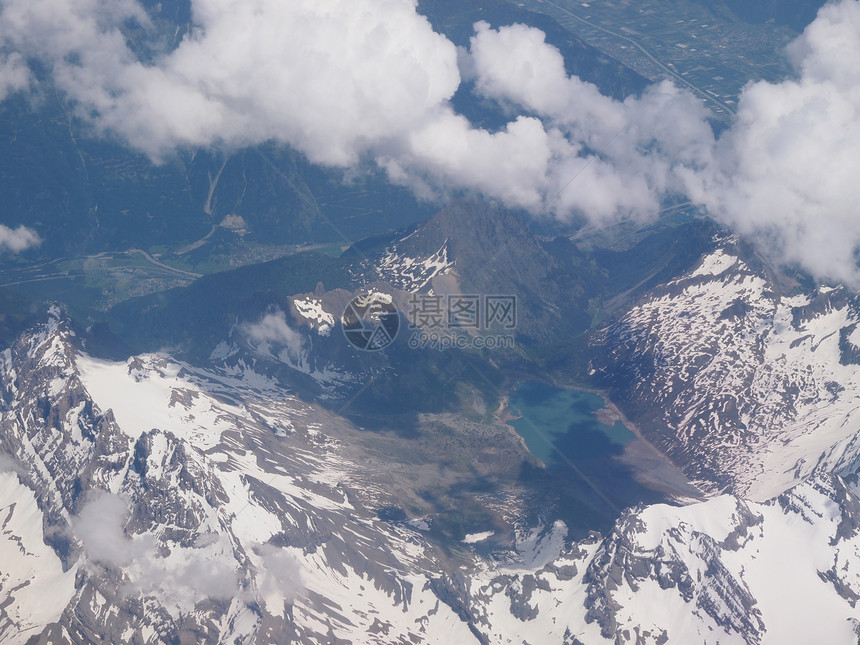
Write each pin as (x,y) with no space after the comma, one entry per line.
(558,424)
(580,453)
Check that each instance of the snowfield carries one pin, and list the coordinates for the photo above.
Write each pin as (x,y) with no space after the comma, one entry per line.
(232,512)
(758,390)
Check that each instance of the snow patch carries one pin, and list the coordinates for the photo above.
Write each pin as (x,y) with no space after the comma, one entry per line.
(34,590)
(312,310)
(473,538)
(151,391)
(715,264)
(412,274)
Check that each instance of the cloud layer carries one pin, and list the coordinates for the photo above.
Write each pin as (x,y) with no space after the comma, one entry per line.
(349,82)
(183,578)
(786,173)
(273,335)
(15,240)
(332,78)
(186,575)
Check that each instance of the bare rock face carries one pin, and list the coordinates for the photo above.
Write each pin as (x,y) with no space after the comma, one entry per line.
(748,389)
(624,562)
(151,501)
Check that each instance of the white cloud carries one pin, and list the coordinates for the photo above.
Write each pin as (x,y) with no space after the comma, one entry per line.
(279,579)
(786,173)
(351,81)
(181,579)
(18,239)
(100,528)
(330,77)
(273,330)
(8,465)
(516,65)
(14,74)
(626,156)
(511,165)
(186,575)
(340,80)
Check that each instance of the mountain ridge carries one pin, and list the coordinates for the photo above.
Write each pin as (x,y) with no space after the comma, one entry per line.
(231,455)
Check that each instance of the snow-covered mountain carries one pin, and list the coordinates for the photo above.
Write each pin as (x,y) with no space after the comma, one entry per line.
(748,385)
(193,506)
(723,571)
(151,501)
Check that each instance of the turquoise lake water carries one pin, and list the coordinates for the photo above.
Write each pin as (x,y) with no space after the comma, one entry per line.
(559,425)
(584,481)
